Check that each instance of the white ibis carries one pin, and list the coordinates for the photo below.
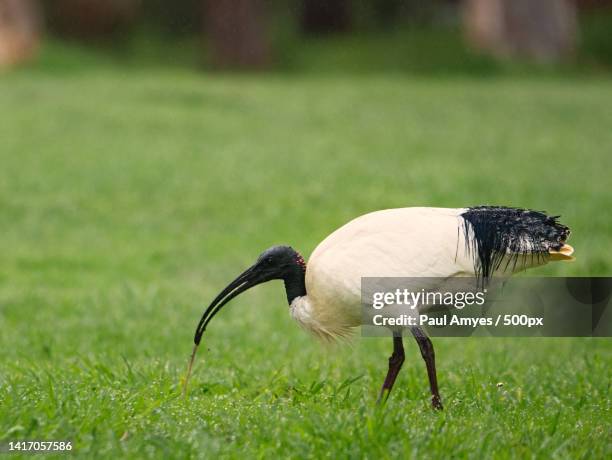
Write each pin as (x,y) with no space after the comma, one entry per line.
(324,295)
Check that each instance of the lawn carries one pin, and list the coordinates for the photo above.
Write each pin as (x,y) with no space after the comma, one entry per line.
(128,199)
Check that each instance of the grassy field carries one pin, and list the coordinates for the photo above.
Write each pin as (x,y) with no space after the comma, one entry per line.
(127,200)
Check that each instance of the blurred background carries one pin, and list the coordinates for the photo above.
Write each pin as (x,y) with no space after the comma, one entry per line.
(476,36)
(151,149)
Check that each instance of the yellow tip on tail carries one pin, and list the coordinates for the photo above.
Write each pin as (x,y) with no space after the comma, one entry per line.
(565,253)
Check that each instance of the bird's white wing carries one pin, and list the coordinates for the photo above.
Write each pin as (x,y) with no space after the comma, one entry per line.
(406,242)
(409,242)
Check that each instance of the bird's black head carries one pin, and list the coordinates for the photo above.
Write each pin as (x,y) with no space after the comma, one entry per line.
(280,262)
(276,263)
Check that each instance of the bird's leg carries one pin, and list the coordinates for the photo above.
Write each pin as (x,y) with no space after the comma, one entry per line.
(427,352)
(395,364)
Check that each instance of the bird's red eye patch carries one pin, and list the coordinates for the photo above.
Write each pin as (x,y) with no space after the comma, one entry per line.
(300,261)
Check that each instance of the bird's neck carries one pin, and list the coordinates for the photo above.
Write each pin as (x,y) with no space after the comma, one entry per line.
(295,283)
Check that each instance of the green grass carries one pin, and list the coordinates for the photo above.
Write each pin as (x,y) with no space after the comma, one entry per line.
(128,199)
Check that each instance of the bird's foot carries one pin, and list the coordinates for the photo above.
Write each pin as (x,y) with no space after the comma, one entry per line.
(436,403)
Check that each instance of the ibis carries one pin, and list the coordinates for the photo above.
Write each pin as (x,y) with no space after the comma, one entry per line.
(324,294)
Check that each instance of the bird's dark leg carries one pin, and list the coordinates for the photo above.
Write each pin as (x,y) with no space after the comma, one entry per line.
(395,364)
(427,352)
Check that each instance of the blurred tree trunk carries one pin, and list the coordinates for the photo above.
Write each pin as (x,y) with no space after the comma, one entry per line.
(325,16)
(544,30)
(92,19)
(20,27)
(237,34)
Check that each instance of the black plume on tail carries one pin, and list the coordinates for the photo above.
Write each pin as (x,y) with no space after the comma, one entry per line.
(495,232)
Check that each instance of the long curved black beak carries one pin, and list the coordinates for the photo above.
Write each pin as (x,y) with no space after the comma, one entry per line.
(252,276)
(249,278)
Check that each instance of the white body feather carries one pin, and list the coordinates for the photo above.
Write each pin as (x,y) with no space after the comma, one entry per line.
(405,242)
